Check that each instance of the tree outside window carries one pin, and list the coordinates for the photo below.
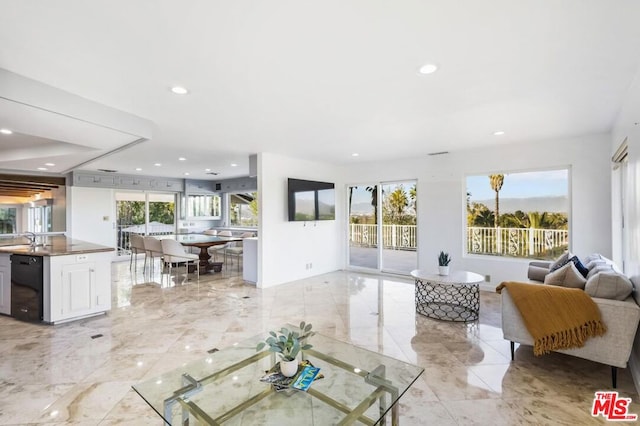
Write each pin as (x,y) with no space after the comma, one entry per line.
(523,214)
(243,209)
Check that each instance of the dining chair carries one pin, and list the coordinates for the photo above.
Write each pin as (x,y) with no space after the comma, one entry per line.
(136,246)
(174,252)
(153,248)
(214,250)
(236,248)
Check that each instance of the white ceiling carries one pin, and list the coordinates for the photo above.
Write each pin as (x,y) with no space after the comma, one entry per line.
(324,79)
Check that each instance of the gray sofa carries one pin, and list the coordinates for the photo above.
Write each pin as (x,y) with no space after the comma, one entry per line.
(613,348)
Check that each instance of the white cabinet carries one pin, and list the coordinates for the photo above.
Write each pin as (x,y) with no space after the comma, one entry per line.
(5,284)
(80,286)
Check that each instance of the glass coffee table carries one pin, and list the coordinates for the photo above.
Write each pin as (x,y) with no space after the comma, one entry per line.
(358,387)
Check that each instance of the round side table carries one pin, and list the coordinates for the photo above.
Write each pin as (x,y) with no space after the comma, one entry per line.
(453,297)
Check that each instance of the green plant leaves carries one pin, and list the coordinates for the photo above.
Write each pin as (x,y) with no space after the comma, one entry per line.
(288,343)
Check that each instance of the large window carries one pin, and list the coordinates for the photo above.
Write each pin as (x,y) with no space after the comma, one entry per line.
(243,209)
(522,214)
(8,220)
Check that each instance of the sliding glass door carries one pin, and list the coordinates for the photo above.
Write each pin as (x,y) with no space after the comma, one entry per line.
(144,213)
(363,226)
(399,226)
(383,226)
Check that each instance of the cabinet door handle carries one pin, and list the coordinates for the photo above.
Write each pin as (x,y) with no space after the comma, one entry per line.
(92,270)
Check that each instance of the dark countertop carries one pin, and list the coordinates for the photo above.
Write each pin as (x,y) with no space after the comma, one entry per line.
(57,245)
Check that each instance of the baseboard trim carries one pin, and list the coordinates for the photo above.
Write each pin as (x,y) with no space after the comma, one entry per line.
(634,369)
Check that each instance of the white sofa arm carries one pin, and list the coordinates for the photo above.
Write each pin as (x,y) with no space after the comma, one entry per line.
(613,348)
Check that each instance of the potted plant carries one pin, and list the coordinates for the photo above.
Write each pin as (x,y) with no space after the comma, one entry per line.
(287,344)
(443,263)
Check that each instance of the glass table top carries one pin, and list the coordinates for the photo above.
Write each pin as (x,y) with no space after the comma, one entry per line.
(358,387)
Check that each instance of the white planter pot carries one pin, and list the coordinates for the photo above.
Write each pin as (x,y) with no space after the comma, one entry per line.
(443,270)
(289,368)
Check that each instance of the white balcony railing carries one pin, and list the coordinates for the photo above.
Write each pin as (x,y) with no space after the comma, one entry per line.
(517,242)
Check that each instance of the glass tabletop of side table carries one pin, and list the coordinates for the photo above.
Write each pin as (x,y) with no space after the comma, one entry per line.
(359,387)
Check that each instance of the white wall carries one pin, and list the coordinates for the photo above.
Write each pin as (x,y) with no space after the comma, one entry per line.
(86,211)
(286,247)
(442,191)
(627,127)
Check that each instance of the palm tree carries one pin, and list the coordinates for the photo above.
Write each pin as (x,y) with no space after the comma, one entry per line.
(496,182)
(398,202)
(413,196)
(374,201)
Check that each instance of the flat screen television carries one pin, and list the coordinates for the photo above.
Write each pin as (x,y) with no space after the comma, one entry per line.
(311,200)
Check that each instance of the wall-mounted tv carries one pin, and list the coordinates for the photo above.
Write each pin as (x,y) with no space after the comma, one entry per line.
(311,200)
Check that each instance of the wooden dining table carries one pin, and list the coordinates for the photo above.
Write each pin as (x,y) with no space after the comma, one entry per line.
(203,242)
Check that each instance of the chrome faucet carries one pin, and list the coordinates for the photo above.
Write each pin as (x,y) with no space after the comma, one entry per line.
(31,236)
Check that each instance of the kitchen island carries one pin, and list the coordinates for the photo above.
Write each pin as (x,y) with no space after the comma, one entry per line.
(76,279)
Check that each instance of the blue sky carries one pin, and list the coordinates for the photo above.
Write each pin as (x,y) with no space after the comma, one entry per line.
(361,195)
(521,185)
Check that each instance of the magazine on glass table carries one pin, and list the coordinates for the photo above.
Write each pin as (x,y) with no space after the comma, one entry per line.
(306,374)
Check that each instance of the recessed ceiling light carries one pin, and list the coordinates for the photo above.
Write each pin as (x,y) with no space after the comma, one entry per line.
(355,154)
(207,170)
(42,168)
(234,165)
(179,90)
(186,173)
(158,164)
(49,164)
(428,69)
(138,169)
(6,131)
(182,159)
(498,133)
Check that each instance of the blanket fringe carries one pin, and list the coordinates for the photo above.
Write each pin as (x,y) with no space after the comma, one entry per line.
(571,338)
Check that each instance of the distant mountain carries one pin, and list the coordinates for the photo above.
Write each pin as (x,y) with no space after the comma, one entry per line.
(361,208)
(534,204)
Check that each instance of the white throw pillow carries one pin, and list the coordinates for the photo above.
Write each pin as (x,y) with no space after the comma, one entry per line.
(609,285)
(566,276)
(560,262)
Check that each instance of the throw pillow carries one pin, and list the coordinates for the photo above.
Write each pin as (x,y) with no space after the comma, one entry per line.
(600,268)
(593,263)
(560,262)
(612,264)
(567,276)
(593,256)
(609,285)
(579,266)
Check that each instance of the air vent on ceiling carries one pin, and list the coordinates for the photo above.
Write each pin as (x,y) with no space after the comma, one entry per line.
(213,173)
(107,170)
(439,153)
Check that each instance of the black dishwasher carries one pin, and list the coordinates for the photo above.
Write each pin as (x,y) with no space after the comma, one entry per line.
(26,287)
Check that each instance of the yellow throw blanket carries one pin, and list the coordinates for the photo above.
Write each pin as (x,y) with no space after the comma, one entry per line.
(556,317)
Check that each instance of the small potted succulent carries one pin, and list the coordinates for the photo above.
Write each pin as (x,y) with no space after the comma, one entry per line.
(443,263)
(287,344)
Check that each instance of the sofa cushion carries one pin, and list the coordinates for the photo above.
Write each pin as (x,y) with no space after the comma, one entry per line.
(560,262)
(609,285)
(567,276)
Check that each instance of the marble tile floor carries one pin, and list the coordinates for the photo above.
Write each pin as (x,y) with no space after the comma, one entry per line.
(51,375)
